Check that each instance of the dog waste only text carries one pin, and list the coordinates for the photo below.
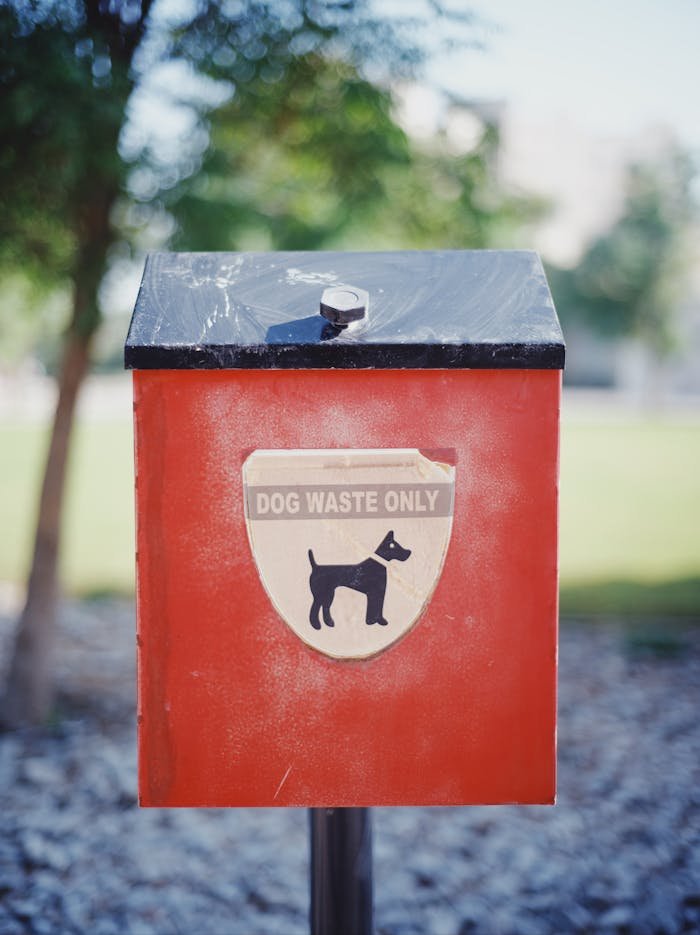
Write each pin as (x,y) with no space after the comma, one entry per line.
(305,502)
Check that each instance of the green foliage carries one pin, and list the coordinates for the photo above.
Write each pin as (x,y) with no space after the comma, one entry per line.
(447,200)
(64,92)
(65,79)
(318,160)
(292,163)
(630,280)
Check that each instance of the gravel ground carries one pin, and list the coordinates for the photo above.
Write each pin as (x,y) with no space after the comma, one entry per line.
(619,853)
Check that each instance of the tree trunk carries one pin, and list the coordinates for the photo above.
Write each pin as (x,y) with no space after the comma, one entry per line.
(29,692)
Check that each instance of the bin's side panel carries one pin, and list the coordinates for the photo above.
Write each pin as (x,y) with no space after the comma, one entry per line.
(234,709)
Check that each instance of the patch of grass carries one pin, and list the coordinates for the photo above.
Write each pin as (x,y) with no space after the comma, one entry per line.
(679,597)
(99,520)
(630,502)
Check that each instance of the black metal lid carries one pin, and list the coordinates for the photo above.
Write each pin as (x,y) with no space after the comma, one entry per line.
(426,310)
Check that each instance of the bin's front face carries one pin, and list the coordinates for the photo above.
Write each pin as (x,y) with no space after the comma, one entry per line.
(413,506)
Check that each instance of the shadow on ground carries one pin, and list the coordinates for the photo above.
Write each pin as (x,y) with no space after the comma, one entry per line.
(665,599)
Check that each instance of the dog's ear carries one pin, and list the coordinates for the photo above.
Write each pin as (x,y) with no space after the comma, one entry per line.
(390,534)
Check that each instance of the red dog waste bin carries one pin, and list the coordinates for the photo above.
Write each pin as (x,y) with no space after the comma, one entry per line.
(346,528)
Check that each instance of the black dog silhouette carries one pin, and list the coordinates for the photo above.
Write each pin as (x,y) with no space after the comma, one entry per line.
(369,577)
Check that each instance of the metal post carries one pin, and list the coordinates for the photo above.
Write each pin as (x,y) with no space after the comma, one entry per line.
(341,871)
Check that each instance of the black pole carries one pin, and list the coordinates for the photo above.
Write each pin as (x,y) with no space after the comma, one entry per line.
(341,871)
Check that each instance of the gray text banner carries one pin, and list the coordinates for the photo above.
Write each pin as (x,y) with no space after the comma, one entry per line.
(348,501)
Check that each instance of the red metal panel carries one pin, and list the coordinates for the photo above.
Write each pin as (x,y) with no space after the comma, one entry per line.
(234,709)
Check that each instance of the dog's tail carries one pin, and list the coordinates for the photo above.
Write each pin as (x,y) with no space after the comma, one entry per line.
(312,559)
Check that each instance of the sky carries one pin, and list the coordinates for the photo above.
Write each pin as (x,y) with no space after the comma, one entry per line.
(585,89)
(617,65)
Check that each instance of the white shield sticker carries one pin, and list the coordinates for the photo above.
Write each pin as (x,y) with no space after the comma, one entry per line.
(349,543)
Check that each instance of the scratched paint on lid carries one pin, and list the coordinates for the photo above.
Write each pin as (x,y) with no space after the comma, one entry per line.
(450,309)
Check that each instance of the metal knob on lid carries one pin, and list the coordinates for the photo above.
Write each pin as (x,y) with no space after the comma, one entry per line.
(342,305)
